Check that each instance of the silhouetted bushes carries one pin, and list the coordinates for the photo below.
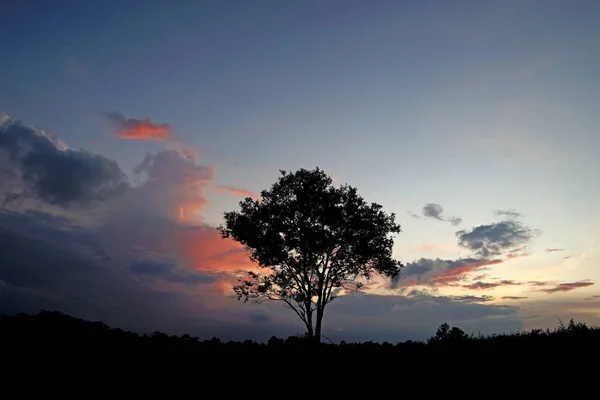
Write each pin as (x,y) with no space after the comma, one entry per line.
(58,333)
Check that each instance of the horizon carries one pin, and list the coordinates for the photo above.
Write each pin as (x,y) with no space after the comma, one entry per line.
(126,133)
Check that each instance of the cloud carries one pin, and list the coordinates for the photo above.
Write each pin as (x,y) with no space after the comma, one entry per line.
(235,191)
(434,211)
(566,287)
(146,130)
(174,184)
(507,213)
(171,272)
(539,283)
(495,239)
(517,253)
(409,317)
(67,273)
(35,165)
(594,297)
(514,297)
(471,299)
(552,250)
(149,262)
(489,285)
(438,272)
(139,129)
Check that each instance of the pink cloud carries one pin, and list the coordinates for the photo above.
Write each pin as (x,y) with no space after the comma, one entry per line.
(235,191)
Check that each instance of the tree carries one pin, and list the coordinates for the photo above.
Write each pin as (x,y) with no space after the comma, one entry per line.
(314,240)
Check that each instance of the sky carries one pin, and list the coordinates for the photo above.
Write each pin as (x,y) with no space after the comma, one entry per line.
(127,131)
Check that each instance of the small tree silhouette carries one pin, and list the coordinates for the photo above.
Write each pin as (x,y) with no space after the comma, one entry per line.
(315,240)
(445,334)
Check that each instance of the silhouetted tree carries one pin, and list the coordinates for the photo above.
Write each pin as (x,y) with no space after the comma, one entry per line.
(444,333)
(316,241)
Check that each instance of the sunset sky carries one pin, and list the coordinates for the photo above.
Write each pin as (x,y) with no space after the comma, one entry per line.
(126,130)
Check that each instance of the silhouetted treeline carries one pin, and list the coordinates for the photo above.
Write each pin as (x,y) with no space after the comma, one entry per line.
(57,332)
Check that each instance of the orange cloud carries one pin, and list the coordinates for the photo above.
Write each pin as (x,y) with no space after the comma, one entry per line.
(175,186)
(566,287)
(458,273)
(235,191)
(203,249)
(146,130)
(139,129)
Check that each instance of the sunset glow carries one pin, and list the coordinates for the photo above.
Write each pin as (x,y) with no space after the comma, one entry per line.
(474,123)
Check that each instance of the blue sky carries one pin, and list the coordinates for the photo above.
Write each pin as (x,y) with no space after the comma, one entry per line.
(474,105)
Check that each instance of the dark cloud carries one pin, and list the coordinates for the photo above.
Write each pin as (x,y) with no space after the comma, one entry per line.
(48,264)
(171,272)
(489,285)
(259,317)
(434,211)
(495,239)
(57,269)
(514,297)
(566,287)
(472,299)
(438,272)
(41,166)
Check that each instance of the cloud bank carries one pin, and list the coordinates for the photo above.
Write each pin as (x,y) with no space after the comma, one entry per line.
(78,236)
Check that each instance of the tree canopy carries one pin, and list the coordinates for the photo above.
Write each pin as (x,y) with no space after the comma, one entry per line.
(314,241)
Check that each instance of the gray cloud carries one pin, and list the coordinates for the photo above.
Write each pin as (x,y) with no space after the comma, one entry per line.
(552,250)
(434,211)
(472,299)
(514,297)
(490,285)
(567,287)
(171,272)
(36,164)
(427,271)
(260,317)
(507,213)
(495,239)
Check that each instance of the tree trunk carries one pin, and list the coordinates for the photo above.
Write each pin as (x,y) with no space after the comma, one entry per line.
(317,338)
(309,326)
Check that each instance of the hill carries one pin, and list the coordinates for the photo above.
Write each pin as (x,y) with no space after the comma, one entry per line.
(54,332)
